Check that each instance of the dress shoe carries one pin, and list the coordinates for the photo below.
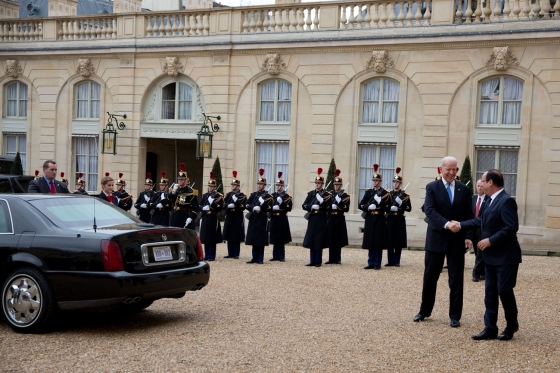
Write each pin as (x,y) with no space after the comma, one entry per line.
(337,263)
(482,277)
(317,265)
(389,265)
(273,259)
(310,265)
(376,267)
(507,334)
(397,265)
(282,260)
(455,323)
(419,317)
(235,257)
(259,262)
(369,267)
(475,279)
(228,256)
(485,334)
(210,260)
(329,262)
(251,262)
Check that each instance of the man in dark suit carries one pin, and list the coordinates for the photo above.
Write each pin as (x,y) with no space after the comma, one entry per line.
(48,183)
(478,203)
(501,253)
(446,199)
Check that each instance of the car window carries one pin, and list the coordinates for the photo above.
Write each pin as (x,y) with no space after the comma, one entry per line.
(24,184)
(5,186)
(78,213)
(5,219)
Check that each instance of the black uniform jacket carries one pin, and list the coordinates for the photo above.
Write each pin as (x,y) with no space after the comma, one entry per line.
(316,236)
(338,234)
(375,226)
(279,225)
(144,213)
(234,226)
(103,196)
(185,205)
(125,199)
(160,215)
(396,222)
(40,186)
(257,231)
(210,228)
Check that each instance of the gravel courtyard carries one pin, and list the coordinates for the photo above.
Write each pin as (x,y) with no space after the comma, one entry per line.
(284,317)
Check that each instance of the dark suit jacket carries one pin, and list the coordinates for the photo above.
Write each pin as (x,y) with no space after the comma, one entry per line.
(40,186)
(439,211)
(499,222)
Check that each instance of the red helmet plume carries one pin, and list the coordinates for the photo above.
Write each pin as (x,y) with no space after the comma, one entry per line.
(211,174)
(106,174)
(36,172)
(182,166)
(279,174)
(62,174)
(148,175)
(336,172)
(375,167)
(80,174)
(163,173)
(121,175)
(261,171)
(439,170)
(398,170)
(319,171)
(234,173)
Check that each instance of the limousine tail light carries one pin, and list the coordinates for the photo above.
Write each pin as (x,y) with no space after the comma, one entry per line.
(199,251)
(112,258)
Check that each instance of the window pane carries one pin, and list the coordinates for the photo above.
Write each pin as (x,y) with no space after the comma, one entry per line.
(284,109)
(390,112)
(267,90)
(168,102)
(282,156)
(267,111)
(264,159)
(368,156)
(488,113)
(387,160)
(486,160)
(510,184)
(11,145)
(370,106)
(390,90)
(22,143)
(370,112)
(185,109)
(22,100)
(95,100)
(371,90)
(508,161)
(490,90)
(512,113)
(168,92)
(513,89)
(284,90)
(11,98)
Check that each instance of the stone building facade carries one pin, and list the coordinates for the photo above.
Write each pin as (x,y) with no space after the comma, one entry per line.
(399,83)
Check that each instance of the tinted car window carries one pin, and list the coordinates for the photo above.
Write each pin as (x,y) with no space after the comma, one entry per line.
(78,213)
(5,220)
(5,186)
(24,185)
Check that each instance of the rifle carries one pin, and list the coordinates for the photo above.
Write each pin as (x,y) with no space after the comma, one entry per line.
(468,182)
(202,212)
(377,193)
(308,213)
(400,194)
(249,215)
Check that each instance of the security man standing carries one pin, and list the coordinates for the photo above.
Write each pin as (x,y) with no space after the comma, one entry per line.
(210,229)
(258,204)
(234,226)
(317,204)
(396,223)
(338,234)
(159,205)
(125,199)
(144,198)
(185,203)
(280,233)
(375,203)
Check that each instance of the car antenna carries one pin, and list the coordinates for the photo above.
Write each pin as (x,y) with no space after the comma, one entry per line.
(94,223)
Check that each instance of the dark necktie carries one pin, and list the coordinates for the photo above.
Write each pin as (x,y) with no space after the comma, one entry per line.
(52,187)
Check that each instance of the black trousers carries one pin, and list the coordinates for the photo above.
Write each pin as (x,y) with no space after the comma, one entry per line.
(500,281)
(433,263)
(478,269)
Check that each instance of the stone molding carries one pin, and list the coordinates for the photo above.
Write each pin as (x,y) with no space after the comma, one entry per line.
(273,63)
(501,59)
(172,66)
(13,68)
(85,67)
(380,61)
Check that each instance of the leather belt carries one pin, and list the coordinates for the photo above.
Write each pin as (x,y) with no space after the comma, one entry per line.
(375,212)
(278,214)
(396,213)
(336,213)
(318,212)
(177,208)
(209,212)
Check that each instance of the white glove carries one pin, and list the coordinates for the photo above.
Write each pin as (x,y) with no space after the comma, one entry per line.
(175,187)
(206,208)
(372,207)
(189,220)
(234,198)
(159,206)
(163,196)
(279,200)
(146,198)
(337,199)
(143,206)
(314,207)
(261,200)
(394,208)
(210,200)
(231,206)
(398,200)
(276,207)
(257,208)
(118,200)
(334,207)
(377,199)
(319,198)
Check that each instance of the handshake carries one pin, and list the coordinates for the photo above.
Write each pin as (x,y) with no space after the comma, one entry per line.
(454,226)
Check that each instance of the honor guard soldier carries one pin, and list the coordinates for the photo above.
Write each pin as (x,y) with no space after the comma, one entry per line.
(279,225)
(317,204)
(125,199)
(234,226)
(258,204)
(144,198)
(210,229)
(185,203)
(338,234)
(36,175)
(375,203)
(159,205)
(81,185)
(396,223)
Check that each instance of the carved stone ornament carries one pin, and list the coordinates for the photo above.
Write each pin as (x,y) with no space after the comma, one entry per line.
(13,68)
(85,67)
(380,61)
(172,66)
(501,59)
(273,63)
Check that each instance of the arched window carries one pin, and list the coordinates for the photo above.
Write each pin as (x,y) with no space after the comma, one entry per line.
(275,101)
(88,100)
(380,101)
(500,101)
(176,101)
(16,100)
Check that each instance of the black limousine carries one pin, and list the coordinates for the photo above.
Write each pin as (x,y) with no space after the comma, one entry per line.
(69,252)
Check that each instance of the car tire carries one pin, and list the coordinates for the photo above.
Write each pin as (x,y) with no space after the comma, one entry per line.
(28,302)
(138,306)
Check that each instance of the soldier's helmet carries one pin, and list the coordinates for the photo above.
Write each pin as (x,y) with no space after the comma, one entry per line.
(376,175)
(235,181)
(182,173)
(120,180)
(397,177)
(148,180)
(212,181)
(438,177)
(261,179)
(80,181)
(63,179)
(36,174)
(279,181)
(163,179)
(337,179)
(319,178)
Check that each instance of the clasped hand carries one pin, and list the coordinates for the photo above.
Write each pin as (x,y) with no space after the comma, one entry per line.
(454,226)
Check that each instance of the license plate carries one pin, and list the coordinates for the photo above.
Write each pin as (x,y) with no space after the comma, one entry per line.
(162,253)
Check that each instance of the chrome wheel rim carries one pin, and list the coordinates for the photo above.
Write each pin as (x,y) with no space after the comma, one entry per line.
(22,300)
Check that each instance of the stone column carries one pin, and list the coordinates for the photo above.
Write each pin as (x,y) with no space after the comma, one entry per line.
(9,9)
(62,8)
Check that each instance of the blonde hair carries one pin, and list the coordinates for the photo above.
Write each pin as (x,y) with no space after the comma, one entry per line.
(106,179)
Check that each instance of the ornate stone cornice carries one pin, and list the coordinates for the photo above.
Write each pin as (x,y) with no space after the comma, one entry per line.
(85,67)
(273,63)
(380,61)
(501,59)
(172,66)
(13,68)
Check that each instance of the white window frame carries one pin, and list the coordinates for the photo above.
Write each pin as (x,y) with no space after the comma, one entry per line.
(89,100)
(18,100)
(87,172)
(23,154)
(497,150)
(380,102)
(501,102)
(387,172)
(271,173)
(276,100)
(177,101)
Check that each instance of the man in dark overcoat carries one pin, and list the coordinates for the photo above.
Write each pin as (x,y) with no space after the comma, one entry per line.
(160,205)
(234,225)
(280,233)
(258,204)
(185,202)
(396,222)
(211,205)
(374,204)
(143,200)
(338,233)
(317,204)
